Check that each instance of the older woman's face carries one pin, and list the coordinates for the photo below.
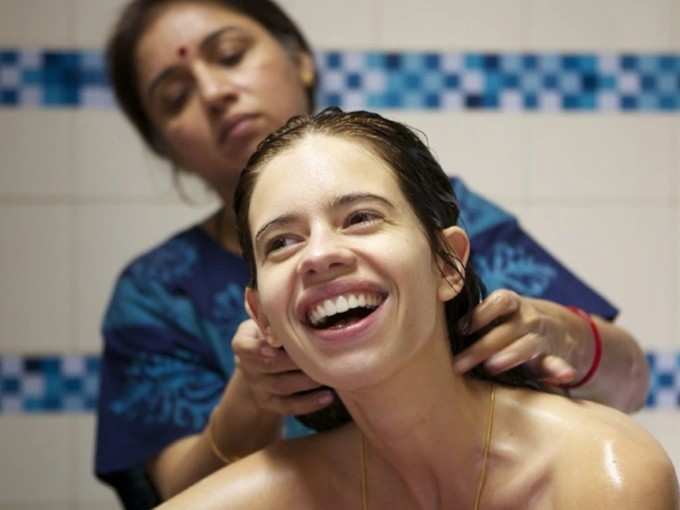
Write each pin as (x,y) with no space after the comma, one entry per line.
(346,278)
(215,83)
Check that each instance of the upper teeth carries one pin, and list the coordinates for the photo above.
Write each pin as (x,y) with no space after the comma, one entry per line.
(340,304)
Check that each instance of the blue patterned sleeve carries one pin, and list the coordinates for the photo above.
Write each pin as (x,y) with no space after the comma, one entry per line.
(505,256)
(158,383)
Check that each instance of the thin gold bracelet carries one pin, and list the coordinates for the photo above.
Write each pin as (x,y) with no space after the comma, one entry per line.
(213,445)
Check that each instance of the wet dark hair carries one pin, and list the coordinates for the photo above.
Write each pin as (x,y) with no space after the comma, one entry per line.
(425,186)
(136,18)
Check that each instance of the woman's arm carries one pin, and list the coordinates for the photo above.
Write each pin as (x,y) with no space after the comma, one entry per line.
(238,428)
(248,417)
(622,379)
(558,346)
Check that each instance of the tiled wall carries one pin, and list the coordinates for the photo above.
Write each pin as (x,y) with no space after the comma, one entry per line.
(598,184)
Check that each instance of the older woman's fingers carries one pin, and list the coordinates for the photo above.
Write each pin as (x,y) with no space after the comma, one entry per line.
(498,304)
(553,370)
(300,404)
(525,349)
(248,338)
(493,342)
(279,363)
(287,384)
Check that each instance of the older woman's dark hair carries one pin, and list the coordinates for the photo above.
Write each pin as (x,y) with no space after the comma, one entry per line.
(423,183)
(136,18)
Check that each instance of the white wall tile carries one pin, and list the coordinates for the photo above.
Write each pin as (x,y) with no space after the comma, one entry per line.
(603,25)
(614,157)
(40,506)
(112,504)
(40,452)
(663,425)
(93,21)
(36,151)
(89,491)
(623,251)
(676,234)
(36,270)
(108,237)
(36,23)
(676,296)
(488,150)
(454,24)
(675,22)
(111,160)
(350,24)
(675,168)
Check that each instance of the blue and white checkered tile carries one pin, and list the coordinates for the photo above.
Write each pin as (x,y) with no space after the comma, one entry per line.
(48,384)
(545,82)
(39,384)
(507,82)
(664,389)
(32,78)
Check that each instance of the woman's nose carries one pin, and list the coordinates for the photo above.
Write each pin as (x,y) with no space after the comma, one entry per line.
(325,257)
(215,89)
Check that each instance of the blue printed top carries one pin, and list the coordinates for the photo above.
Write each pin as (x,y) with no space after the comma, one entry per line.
(174,310)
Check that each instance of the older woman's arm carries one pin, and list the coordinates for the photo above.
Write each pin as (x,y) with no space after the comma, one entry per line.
(558,346)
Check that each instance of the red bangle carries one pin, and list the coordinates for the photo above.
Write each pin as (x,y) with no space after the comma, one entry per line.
(598,348)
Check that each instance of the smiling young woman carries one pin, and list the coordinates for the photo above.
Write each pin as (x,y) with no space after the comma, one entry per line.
(188,381)
(377,219)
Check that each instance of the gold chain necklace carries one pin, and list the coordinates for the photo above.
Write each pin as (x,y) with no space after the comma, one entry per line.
(482,476)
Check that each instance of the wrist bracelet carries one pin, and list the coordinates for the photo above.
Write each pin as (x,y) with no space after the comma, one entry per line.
(597,339)
(213,445)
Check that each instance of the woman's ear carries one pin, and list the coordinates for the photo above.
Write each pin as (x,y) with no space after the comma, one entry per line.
(254,310)
(454,277)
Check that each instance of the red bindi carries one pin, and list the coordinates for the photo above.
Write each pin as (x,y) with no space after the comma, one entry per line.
(182,51)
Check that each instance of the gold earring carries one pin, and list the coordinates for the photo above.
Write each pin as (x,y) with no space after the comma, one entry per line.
(307,77)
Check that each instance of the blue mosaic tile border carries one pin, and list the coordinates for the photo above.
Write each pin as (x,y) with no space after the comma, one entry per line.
(38,384)
(402,80)
(63,384)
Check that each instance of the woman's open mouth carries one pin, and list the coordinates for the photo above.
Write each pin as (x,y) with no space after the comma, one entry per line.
(343,310)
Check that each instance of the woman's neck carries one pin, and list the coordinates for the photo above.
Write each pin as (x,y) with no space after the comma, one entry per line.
(426,424)
(221,226)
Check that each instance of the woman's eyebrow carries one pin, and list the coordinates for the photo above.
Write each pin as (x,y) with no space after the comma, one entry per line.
(353,198)
(202,47)
(213,36)
(281,221)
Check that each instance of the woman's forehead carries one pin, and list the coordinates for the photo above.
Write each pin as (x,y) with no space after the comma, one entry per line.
(186,25)
(318,168)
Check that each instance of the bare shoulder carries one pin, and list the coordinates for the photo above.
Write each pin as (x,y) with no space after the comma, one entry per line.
(285,475)
(607,460)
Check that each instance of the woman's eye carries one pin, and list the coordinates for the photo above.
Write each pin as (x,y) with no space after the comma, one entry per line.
(362,218)
(174,101)
(279,243)
(229,58)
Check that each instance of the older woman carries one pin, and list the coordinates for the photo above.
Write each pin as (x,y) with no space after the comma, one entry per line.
(203,82)
(362,275)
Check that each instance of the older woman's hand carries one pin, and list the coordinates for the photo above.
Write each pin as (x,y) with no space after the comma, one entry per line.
(277,385)
(518,330)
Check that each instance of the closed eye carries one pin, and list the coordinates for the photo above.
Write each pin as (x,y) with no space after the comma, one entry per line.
(174,102)
(230,59)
